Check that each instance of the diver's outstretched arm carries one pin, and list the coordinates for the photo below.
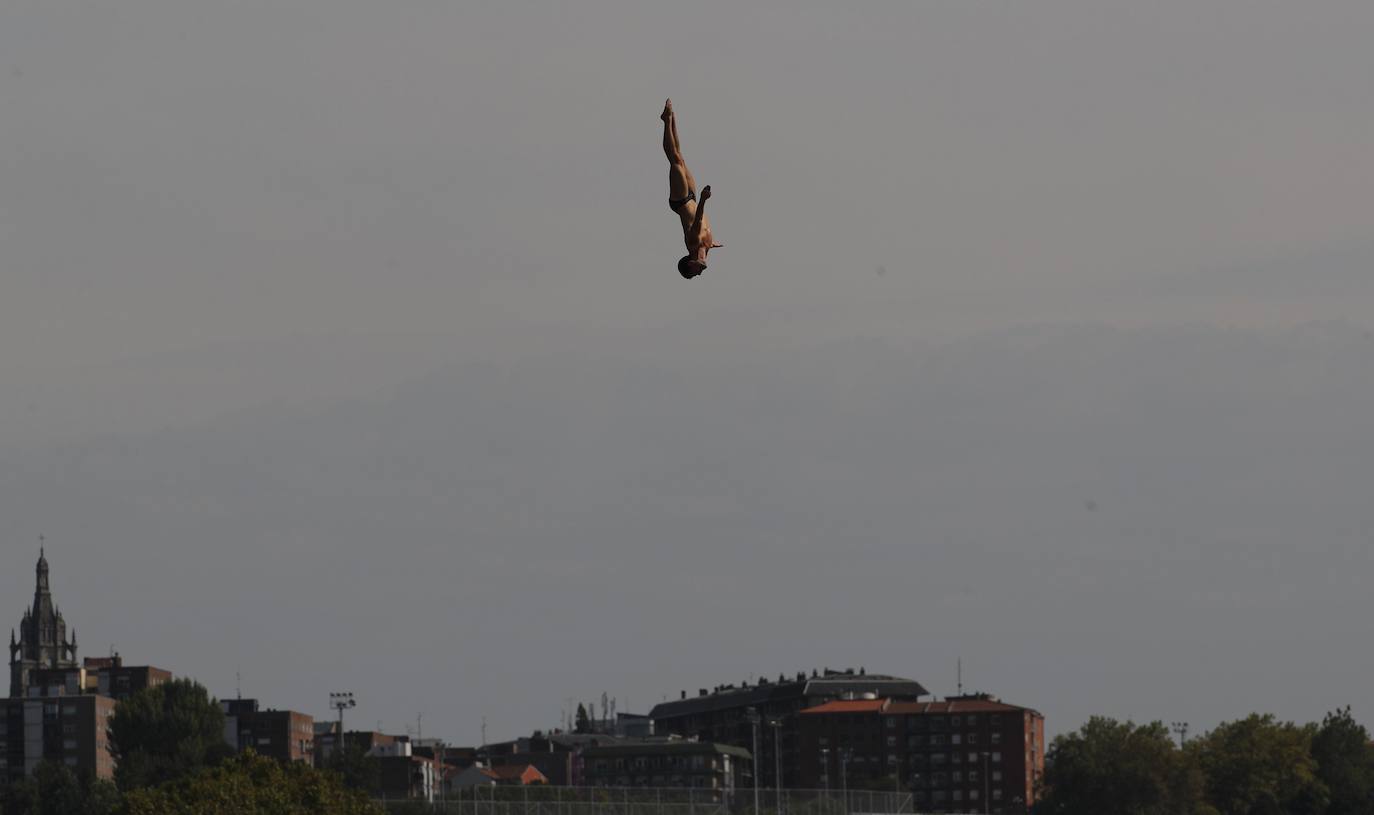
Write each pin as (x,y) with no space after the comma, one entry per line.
(701,209)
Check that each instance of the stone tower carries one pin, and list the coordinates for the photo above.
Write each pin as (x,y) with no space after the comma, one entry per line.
(43,639)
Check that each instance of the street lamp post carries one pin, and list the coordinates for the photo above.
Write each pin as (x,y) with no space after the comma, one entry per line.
(776,724)
(845,752)
(341,702)
(825,773)
(754,720)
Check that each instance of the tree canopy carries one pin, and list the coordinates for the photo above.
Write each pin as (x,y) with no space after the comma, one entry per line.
(1255,764)
(54,789)
(249,784)
(1121,767)
(167,732)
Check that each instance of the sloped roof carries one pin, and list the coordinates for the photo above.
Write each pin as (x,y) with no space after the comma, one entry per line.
(849,706)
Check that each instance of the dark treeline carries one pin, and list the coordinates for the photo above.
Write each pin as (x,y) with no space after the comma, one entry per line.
(1252,766)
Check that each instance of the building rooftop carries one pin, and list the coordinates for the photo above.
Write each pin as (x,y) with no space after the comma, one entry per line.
(849,706)
(955,705)
(649,748)
(831,683)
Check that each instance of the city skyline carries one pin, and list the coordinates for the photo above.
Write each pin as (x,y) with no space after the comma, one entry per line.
(342,349)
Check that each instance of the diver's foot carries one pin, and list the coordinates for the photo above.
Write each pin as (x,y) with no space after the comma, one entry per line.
(667,110)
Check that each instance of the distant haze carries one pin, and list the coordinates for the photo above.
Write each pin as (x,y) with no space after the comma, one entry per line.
(341,347)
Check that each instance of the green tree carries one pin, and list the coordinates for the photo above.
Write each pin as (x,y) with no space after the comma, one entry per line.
(583,724)
(54,789)
(249,784)
(356,769)
(1258,765)
(1119,767)
(164,733)
(1345,764)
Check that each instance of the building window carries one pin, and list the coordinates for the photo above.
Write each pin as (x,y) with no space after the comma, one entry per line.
(996,775)
(996,795)
(955,721)
(891,722)
(973,738)
(973,795)
(996,737)
(973,758)
(958,795)
(891,741)
(971,719)
(956,739)
(957,777)
(69,744)
(996,757)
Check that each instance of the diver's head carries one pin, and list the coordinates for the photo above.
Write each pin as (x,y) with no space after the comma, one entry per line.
(689,267)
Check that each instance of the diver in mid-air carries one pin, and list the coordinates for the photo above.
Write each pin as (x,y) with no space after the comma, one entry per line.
(682,199)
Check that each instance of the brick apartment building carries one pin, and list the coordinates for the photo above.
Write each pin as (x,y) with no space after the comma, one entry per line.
(281,734)
(721,768)
(557,756)
(964,754)
(69,730)
(722,715)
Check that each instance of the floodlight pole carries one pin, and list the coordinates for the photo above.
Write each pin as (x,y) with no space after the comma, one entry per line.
(341,701)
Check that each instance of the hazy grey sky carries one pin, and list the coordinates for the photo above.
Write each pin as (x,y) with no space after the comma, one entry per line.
(341,344)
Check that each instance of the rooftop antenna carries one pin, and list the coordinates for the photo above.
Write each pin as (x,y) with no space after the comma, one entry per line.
(238,685)
(959,667)
(484,731)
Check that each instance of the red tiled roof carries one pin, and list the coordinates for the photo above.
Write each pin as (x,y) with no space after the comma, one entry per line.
(849,706)
(514,772)
(955,706)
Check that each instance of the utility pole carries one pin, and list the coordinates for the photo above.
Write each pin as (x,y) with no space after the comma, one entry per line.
(825,773)
(341,701)
(844,776)
(776,724)
(754,718)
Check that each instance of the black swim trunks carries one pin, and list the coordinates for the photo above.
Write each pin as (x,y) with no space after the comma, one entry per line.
(677,205)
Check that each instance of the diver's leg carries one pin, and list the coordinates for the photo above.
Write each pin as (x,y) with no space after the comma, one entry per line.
(680,182)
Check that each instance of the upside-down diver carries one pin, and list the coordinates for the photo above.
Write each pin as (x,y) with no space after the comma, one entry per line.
(682,199)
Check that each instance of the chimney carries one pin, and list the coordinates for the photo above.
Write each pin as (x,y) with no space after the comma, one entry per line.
(684,694)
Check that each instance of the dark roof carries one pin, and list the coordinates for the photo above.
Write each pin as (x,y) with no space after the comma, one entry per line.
(882,686)
(727,698)
(661,748)
(832,684)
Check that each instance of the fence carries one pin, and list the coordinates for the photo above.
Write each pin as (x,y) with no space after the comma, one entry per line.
(550,800)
